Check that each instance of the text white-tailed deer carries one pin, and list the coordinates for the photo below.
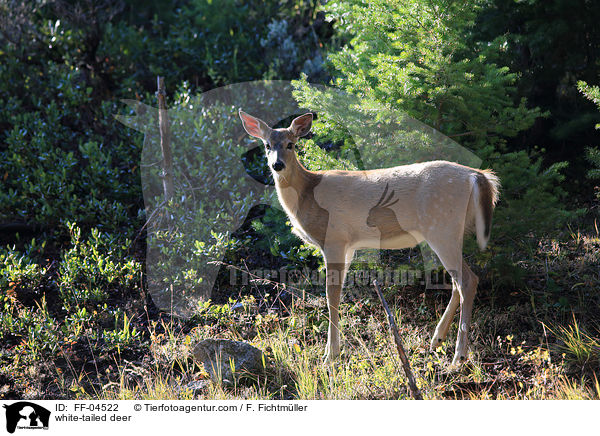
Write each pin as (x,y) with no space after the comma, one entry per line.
(391,208)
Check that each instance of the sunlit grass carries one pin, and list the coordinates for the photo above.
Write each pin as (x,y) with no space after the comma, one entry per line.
(578,346)
(368,369)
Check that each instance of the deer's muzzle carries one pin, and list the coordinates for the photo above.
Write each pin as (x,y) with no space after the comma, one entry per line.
(278,165)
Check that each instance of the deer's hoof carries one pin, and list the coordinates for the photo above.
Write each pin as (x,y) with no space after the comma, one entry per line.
(330,356)
(459,360)
(436,342)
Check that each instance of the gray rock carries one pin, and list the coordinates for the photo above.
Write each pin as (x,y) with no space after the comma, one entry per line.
(217,354)
(197,387)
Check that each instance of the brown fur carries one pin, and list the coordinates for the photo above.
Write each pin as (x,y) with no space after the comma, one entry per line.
(384,218)
(313,217)
(278,137)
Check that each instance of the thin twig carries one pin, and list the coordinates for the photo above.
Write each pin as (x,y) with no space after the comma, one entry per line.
(157,209)
(409,375)
(254,279)
(165,140)
(460,134)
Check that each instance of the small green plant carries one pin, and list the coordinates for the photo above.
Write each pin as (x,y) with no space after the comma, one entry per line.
(19,268)
(123,334)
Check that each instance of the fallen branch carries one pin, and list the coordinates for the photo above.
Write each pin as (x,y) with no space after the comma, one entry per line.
(409,375)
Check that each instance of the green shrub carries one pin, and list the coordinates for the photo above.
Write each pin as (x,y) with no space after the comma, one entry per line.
(80,298)
(56,165)
(94,269)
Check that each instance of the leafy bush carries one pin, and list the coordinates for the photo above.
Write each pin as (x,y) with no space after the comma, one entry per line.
(80,298)
(531,198)
(63,156)
(63,159)
(207,43)
(90,271)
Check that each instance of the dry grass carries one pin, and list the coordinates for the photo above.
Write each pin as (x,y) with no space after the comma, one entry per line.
(537,341)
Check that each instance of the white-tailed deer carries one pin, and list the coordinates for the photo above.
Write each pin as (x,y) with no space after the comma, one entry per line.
(391,208)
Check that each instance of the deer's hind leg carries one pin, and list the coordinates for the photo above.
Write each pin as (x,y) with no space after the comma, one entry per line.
(468,289)
(441,330)
(464,288)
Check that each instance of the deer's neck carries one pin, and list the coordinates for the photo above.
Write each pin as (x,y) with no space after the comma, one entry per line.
(296,192)
(292,187)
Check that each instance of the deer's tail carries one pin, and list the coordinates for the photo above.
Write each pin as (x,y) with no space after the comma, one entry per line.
(484,196)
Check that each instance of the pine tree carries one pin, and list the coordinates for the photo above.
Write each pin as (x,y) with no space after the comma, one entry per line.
(592,154)
(415,56)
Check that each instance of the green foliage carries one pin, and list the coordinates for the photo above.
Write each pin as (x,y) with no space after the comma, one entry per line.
(123,333)
(530,197)
(592,93)
(20,274)
(91,270)
(316,158)
(207,43)
(62,158)
(19,268)
(413,57)
(536,39)
(79,301)
(212,197)
(287,55)
(276,237)
(592,154)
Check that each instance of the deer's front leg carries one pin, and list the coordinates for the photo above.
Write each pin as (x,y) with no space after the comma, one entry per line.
(335,261)
(332,350)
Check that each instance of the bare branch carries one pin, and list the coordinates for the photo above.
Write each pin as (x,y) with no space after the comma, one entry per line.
(165,140)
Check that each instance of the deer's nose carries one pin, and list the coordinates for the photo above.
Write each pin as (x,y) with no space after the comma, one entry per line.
(278,165)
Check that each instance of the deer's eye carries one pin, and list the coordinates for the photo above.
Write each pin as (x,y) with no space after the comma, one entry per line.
(290,145)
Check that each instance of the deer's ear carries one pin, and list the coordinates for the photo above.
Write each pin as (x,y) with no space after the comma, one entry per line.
(301,125)
(254,126)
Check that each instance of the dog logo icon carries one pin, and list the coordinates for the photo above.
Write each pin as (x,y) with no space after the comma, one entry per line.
(26,415)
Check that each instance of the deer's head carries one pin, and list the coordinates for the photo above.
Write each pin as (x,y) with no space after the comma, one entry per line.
(279,143)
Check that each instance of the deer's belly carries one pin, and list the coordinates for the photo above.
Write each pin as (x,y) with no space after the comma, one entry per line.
(394,241)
